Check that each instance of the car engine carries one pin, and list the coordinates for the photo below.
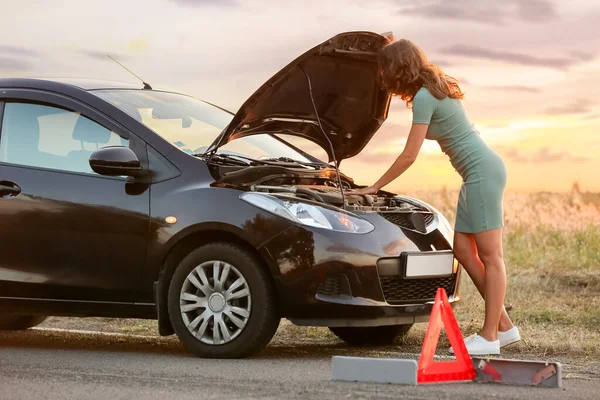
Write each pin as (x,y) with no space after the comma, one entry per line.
(317,185)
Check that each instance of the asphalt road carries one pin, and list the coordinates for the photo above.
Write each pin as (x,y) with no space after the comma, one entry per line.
(58,365)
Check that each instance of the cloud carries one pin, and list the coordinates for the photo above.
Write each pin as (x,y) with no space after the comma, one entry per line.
(391,131)
(139,45)
(515,88)
(543,155)
(538,11)
(18,51)
(560,63)
(102,55)
(491,13)
(387,159)
(206,3)
(391,135)
(546,155)
(462,81)
(495,126)
(582,55)
(514,155)
(442,63)
(7,63)
(14,58)
(579,106)
(377,158)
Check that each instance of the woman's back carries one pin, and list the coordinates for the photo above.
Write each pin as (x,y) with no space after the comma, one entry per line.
(452,129)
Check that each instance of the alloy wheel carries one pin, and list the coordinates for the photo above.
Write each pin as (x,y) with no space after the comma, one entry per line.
(215,302)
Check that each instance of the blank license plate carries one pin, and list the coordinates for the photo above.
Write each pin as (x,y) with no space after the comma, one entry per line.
(421,265)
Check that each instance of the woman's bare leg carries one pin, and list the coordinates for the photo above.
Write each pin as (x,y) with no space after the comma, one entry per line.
(465,251)
(489,248)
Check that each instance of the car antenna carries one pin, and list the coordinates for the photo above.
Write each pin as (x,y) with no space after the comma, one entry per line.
(146,85)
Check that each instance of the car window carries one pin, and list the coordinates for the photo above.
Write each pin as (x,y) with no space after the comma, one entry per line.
(49,137)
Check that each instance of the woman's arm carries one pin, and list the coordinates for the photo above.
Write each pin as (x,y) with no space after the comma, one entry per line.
(403,162)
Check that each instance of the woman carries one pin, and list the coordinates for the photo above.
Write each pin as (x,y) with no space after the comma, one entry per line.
(438,114)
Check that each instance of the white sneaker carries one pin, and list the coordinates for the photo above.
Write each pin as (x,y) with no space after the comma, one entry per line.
(509,337)
(468,339)
(477,345)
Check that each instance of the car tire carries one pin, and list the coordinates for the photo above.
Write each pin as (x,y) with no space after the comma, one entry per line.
(20,322)
(370,335)
(197,303)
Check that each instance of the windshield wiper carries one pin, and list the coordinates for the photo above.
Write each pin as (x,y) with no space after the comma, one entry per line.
(288,160)
(230,158)
(239,160)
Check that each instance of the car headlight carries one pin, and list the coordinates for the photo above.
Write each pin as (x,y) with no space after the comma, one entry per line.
(309,214)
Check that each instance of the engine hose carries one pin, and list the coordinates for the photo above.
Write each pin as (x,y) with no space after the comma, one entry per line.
(310,193)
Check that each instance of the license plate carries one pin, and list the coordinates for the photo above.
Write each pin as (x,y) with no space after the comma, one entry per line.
(429,264)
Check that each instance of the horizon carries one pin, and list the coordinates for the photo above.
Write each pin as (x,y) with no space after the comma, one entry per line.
(529,88)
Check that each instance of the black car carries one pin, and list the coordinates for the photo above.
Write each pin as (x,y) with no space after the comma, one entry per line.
(119,200)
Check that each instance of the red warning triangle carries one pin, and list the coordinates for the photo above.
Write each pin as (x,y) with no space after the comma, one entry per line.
(460,369)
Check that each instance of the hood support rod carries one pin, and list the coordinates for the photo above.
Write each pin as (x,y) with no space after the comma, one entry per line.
(335,163)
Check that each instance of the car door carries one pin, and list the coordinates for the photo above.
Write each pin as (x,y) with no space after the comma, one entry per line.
(66,232)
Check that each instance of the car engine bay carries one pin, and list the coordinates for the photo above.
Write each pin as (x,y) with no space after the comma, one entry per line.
(319,185)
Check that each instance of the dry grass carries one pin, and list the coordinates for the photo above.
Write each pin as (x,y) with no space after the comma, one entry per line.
(552,248)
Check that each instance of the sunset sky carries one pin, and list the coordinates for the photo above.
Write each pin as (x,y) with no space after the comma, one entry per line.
(530,68)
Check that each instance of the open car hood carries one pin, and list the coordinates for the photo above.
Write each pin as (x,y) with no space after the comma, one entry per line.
(347,91)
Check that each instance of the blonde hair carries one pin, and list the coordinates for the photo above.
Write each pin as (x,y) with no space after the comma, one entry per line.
(405,70)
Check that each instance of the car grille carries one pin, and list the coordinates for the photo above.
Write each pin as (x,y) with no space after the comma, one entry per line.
(329,287)
(402,219)
(396,289)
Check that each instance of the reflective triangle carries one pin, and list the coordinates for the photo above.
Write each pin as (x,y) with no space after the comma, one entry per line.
(460,369)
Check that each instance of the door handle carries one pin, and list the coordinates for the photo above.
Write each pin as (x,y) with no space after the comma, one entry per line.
(9,189)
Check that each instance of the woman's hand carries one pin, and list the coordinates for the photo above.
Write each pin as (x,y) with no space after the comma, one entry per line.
(389,37)
(363,191)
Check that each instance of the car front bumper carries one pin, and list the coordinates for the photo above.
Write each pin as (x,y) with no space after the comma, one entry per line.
(331,279)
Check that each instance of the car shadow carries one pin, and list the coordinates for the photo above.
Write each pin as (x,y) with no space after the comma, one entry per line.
(106,342)
(62,340)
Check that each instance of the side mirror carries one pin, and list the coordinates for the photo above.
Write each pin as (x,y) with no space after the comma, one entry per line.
(115,161)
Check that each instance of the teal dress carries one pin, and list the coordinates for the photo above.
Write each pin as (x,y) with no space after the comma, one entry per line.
(482,170)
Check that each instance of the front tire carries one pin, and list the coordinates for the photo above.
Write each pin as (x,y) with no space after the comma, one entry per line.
(370,335)
(222,303)
(20,322)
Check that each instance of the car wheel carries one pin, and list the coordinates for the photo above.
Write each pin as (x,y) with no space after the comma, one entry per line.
(370,335)
(222,303)
(19,322)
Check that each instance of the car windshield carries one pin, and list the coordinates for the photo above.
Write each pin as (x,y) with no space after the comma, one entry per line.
(192,125)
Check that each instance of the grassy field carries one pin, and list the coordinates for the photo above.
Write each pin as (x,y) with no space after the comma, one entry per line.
(552,249)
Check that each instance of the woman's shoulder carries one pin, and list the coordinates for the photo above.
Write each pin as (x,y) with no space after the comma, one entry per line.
(424,96)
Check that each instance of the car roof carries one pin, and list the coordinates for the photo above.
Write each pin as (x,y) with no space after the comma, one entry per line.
(96,84)
(80,83)
(68,84)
